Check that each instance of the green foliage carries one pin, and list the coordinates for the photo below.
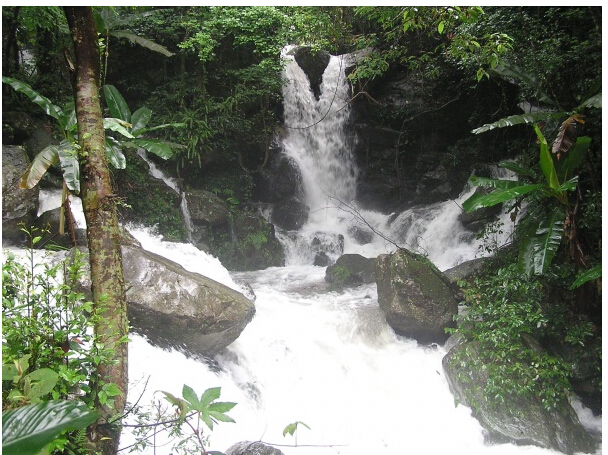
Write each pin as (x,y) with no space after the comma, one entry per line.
(420,37)
(28,429)
(205,409)
(292,429)
(49,350)
(504,310)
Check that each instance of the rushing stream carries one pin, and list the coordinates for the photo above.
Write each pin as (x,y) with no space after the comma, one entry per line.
(327,359)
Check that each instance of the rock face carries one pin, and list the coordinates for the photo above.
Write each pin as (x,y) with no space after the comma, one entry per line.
(290,214)
(172,306)
(519,421)
(252,448)
(415,297)
(313,63)
(351,270)
(18,206)
(241,241)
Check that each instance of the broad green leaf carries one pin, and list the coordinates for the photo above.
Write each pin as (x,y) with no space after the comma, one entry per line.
(70,167)
(440,27)
(594,101)
(9,372)
(118,125)
(220,416)
(190,396)
(38,167)
(140,119)
(493,183)
(42,381)
(519,119)
(221,406)
(591,274)
(161,127)
(114,153)
(520,170)
(497,196)
(549,235)
(573,158)
(26,430)
(208,420)
(181,404)
(116,103)
(546,160)
(142,42)
(210,395)
(36,98)
(159,148)
(516,74)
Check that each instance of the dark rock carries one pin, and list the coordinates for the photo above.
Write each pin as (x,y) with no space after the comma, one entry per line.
(519,420)
(351,270)
(290,214)
(206,209)
(48,223)
(18,205)
(252,448)
(280,180)
(466,270)
(360,235)
(16,127)
(247,242)
(416,298)
(313,63)
(321,259)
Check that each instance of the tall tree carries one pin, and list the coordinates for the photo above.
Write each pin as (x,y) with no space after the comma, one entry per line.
(99,204)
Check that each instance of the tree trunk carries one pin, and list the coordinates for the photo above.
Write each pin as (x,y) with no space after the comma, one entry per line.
(98,203)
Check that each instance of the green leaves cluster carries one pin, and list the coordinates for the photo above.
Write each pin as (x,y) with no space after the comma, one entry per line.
(505,314)
(206,407)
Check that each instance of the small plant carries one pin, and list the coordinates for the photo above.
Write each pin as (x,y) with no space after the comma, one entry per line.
(204,409)
(292,429)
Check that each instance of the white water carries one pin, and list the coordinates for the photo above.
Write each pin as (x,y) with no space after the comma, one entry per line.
(324,358)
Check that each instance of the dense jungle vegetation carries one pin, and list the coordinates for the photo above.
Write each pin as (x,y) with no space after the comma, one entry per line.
(209,80)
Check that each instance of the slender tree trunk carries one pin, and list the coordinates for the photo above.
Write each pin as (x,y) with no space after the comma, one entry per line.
(102,226)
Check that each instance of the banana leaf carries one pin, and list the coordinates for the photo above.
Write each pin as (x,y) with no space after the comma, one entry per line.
(537,251)
(70,167)
(573,158)
(520,170)
(114,153)
(116,103)
(591,274)
(140,119)
(42,101)
(26,430)
(497,196)
(517,120)
(160,127)
(38,167)
(162,149)
(151,45)
(117,125)
(546,160)
(493,183)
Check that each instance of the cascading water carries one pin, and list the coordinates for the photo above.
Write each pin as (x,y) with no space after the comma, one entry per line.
(327,359)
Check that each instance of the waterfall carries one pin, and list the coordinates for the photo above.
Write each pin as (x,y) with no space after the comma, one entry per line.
(173,184)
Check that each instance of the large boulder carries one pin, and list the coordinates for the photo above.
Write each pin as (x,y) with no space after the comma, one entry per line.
(519,420)
(351,270)
(252,448)
(172,306)
(415,297)
(290,214)
(18,205)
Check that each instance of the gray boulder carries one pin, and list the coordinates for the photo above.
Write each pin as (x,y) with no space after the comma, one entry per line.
(351,270)
(18,205)
(252,448)
(519,421)
(415,297)
(172,306)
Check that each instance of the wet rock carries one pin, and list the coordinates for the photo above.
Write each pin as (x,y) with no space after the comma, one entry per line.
(18,205)
(351,270)
(290,214)
(522,421)
(416,298)
(313,63)
(252,448)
